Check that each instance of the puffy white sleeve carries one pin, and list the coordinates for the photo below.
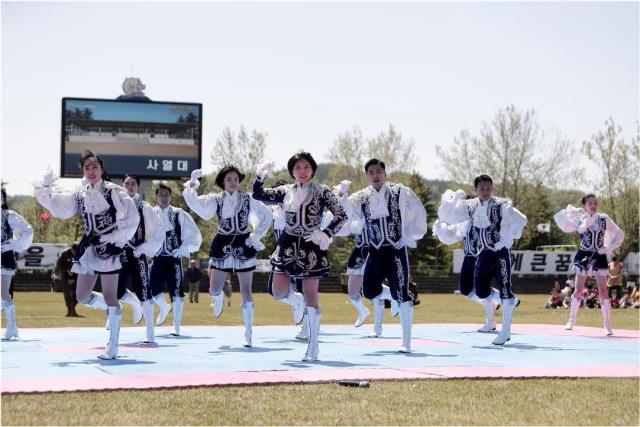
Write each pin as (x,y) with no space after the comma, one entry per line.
(514,220)
(450,234)
(352,206)
(61,204)
(453,208)
(205,206)
(22,232)
(613,235)
(191,237)
(127,218)
(414,217)
(153,230)
(260,218)
(568,219)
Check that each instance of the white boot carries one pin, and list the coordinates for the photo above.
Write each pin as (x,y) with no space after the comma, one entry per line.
(508,305)
(247,315)
(363,312)
(573,313)
(115,317)
(406,319)
(605,306)
(131,299)
(490,311)
(178,306)
(10,315)
(96,301)
(296,301)
(378,311)
(165,308)
(313,318)
(217,302)
(386,294)
(147,313)
(304,330)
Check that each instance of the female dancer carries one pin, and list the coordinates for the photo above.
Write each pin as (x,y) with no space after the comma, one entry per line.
(17,236)
(599,236)
(301,250)
(110,221)
(233,248)
(146,241)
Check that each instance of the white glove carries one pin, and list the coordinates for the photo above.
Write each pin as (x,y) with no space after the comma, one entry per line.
(452,196)
(400,244)
(320,238)
(195,174)
(253,242)
(7,247)
(265,171)
(342,188)
(48,178)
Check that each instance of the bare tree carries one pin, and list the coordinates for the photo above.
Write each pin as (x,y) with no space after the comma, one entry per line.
(617,162)
(245,151)
(350,151)
(514,151)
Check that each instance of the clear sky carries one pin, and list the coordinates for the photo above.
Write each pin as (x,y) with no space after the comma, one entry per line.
(305,72)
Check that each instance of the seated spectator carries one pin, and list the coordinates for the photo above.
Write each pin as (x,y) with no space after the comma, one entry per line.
(556,285)
(625,301)
(592,299)
(615,301)
(554,301)
(566,296)
(635,298)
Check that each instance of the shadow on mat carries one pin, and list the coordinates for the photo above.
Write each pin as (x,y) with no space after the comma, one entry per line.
(182,337)
(331,363)
(141,344)
(412,354)
(530,347)
(96,361)
(229,349)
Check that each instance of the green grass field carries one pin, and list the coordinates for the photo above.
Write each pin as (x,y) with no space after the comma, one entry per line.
(436,402)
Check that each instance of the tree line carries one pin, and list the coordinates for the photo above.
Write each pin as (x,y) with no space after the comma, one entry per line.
(537,168)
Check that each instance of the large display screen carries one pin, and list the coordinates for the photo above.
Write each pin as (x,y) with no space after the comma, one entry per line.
(157,140)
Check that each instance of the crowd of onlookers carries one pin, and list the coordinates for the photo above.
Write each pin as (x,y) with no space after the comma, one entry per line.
(621,295)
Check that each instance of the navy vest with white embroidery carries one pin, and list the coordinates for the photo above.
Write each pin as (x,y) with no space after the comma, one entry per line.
(387,230)
(100,223)
(139,237)
(362,239)
(593,238)
(239,222)
(489,236)
(7,232)
(173,238)
(471,240)
(309,216)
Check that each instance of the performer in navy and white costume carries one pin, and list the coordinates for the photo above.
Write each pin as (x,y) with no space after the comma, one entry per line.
(146,241)
(450,230)
(394,219)
(355,269)
(497,223)
(110,220)
(17,236)
(599,237)
(301,250)
(235,246)
(277,225)
(181,238)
